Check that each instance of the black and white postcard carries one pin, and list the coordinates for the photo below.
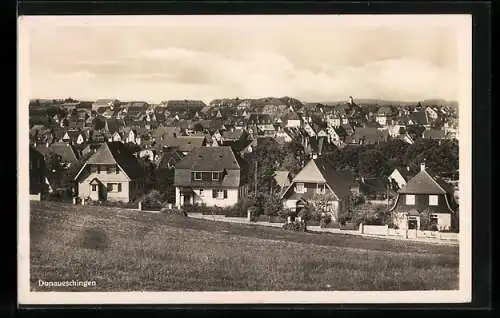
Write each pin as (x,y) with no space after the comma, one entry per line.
(244,159)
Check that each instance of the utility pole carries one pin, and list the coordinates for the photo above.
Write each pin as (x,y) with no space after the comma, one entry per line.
(255,178)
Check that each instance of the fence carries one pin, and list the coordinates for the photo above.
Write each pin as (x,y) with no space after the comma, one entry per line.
(385,230)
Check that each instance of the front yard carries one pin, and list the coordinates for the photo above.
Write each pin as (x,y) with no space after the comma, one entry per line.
(125,250)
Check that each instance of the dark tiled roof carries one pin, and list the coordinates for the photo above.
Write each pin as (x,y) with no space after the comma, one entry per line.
(114,125)
(67,152)
(233,135)
(209,159)
(117,153)
(426,182)
(369,135)
(419,117)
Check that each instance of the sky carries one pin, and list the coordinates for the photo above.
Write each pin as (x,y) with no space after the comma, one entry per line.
(312,59)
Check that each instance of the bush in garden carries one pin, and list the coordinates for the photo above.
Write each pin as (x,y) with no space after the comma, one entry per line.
(325,220)
(254,213)
(295,226)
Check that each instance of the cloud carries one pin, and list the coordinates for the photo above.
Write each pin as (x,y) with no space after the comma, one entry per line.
(201,63)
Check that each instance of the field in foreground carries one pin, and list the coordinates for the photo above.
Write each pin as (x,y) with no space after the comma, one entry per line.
(130,251)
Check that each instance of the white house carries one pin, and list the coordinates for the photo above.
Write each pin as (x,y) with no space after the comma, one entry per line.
(210,175)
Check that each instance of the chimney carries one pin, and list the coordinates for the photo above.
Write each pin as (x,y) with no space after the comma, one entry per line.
(422,166)
(350,100)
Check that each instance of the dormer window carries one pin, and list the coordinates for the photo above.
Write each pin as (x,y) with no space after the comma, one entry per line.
(197,175)
(215,176)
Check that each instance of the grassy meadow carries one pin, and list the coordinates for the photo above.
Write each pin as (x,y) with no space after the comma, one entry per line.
(126,250)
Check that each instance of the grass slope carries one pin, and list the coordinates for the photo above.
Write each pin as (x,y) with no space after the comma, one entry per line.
(129,251)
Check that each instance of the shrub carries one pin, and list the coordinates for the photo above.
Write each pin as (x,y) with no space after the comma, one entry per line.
(254,213)
(295,226)
(173,211)
(325,220)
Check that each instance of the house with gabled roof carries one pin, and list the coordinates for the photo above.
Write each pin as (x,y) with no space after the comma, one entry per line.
(213,176)
(317,178)
(398,178)
(111,173)
(425,192)
(432,113)
(385,115)
(283,179)
(418,117)
(368,135)
(67,153)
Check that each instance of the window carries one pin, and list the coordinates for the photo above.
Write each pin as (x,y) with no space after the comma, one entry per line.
(110,169)
(197,175)
(220,194)
(433,200)
(299,188)
(94,187)
(225,194)
(320,188)
(215,176)
(410,199)
(117,169)
(109,186)
(93,169)
(214,194)
(119,187)
(434,219)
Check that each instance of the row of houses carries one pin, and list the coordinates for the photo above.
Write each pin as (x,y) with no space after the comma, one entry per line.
(217,176)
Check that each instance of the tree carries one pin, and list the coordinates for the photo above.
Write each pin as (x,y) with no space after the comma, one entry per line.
(415,131)
(272,206)
(425,220)
(54,162)
(372,163)
(322,203)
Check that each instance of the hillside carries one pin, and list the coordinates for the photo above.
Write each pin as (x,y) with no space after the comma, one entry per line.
(382,102)
(124,250)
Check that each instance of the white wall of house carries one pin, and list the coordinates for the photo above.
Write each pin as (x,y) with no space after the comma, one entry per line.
(85,189)
(444,221)
(398,178)
(295,123)
(290,204)
(205,197)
